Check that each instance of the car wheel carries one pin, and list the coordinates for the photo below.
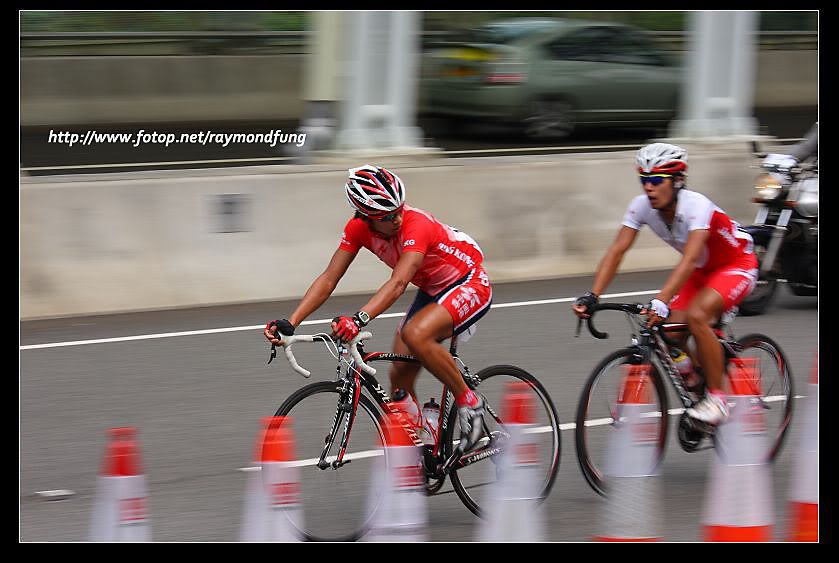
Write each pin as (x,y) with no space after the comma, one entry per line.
(549,119)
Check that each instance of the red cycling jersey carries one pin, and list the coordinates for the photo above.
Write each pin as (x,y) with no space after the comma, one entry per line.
(449,253)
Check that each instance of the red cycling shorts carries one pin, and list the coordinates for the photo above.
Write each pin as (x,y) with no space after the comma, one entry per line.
(734,282)
(467,300)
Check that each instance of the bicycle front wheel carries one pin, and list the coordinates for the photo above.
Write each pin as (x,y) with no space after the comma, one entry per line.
(338,504)
(775,386)
(617,387)
(475,483)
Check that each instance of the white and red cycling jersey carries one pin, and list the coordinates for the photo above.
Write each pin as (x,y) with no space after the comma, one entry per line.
(727,241)
(449,254)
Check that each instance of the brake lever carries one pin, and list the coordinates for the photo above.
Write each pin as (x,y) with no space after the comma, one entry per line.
(579,327)
(273,353)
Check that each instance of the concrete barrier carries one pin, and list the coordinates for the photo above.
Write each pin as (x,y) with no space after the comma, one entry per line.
(149,240)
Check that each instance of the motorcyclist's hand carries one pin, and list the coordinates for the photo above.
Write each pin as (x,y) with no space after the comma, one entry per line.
(656,311)
(583,303)
(779,162)
(284,327)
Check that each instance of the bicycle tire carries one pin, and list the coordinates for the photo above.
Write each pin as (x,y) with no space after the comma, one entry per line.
(366,406)
(592,473)
(757,340)
(450,436)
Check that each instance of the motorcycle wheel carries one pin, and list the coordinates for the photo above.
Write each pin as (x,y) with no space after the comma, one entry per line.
(804,290)
(764,291)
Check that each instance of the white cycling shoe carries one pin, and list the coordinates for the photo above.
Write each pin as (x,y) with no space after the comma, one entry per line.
(471,424)
(712,409)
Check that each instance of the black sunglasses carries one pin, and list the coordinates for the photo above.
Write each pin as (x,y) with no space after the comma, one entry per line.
(654,179)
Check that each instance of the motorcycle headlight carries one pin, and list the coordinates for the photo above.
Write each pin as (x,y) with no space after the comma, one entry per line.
(768,186)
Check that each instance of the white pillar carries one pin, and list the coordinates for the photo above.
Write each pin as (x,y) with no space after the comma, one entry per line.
(321,79)
(378,107)
(718,92)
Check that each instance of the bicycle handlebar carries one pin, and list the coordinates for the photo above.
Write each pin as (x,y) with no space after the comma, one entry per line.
(289,341)
(632,308)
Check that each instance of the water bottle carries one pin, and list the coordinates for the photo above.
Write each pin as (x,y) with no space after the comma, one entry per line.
(405,403)
(430,417)
(683,364)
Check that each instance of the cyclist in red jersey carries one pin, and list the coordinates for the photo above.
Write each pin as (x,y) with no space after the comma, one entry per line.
(718,268)
(444,263)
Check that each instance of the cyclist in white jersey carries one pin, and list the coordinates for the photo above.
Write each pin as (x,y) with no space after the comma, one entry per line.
(718,268)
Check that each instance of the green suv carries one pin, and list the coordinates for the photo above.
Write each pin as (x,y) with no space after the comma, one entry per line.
(550,75)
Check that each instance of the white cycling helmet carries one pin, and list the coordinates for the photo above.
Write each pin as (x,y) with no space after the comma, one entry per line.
(374,191)
(662,158)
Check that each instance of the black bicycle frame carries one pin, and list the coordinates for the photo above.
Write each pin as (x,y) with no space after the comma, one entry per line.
(349,396)
(658,341)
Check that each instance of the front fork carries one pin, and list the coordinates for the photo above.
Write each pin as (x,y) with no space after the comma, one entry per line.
(346,411)
(779,230)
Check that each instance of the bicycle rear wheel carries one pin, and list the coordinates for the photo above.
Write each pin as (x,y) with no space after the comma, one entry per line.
(775,386)
(599,413)
(337,503)
(474,483)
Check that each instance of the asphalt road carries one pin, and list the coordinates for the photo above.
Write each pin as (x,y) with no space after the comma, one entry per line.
(197,402)
(37,151)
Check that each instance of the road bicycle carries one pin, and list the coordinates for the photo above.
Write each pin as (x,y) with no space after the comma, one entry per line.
(597,409)
(338,492)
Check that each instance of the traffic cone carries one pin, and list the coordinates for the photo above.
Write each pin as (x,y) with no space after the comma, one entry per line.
(401,514)
(120,510)
(738,498)
(805,489)
(272,509)
(632,512)
(513,510)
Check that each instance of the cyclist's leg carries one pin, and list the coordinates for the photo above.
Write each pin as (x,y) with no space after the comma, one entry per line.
(422,335)
(404,375)
(678,311)
(703,311)
(456,309)
(724,289)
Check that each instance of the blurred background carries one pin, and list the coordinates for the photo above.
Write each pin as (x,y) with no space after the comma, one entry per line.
(473,80)
(519,128)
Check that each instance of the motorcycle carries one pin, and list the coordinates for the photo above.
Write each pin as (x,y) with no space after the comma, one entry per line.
(785,232)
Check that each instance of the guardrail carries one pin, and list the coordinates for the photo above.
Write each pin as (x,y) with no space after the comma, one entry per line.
(81,43)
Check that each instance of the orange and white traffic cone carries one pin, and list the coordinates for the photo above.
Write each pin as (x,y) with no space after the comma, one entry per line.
(805,490)
(631,469)
(514,511)
(272,499)
(400,513)
(738,498)
(120,511)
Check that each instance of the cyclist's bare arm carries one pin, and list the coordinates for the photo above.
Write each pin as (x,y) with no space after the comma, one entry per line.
(613,258)
(393,288)
(323,286)
(609,264)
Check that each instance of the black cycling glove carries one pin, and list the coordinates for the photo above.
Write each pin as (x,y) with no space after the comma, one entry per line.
(588,300)
(283,326)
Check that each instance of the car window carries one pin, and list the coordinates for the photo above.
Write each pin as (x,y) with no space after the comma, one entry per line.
(628,47)
(588,44)
(508,32)
(608,45)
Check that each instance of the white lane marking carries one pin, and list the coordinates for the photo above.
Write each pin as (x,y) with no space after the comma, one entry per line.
(313,322)
(57,494)
(535,430)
